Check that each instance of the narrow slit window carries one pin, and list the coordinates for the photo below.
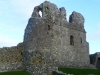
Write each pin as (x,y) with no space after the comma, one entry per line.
(81,40)
(48,27)
(71,40)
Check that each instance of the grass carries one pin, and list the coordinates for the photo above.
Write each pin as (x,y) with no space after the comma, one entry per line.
(65,70)
(79,71)
(15,73)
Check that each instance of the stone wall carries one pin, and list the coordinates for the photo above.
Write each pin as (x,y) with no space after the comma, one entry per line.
(76,55)
(11,58)
(50,41)
(95,59)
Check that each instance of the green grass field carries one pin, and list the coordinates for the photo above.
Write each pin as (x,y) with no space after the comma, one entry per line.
(15,73)
(65,70)
(79,71)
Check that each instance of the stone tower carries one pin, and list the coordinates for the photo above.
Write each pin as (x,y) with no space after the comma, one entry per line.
(50,41)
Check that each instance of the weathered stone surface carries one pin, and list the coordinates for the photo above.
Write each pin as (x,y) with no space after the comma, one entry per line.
(95,59)
(39,62)
(58,73)
(77,19)
(57,42)
(11,58)
(50,42)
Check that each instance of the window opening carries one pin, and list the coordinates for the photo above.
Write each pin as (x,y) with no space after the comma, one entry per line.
(48,27)
(47,8)
(71,40)
(81,40)
(40,13)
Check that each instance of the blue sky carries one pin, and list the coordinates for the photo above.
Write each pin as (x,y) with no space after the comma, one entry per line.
(14,15)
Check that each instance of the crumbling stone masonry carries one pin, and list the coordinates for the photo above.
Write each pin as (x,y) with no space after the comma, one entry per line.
(11,58)
(95,59)
(50,41)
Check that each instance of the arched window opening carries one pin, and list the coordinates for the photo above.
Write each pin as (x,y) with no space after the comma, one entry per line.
(71,40)
(98,63)
(47,8)
(40,13)
(81,40)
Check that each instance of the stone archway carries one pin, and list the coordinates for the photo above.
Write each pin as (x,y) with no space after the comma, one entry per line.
(98,63)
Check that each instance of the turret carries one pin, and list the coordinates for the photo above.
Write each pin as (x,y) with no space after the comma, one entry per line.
(77,20)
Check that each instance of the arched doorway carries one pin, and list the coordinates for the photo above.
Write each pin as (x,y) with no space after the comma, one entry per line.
(98,63)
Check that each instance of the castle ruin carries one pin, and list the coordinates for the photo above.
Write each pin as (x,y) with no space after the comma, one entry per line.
(50,41)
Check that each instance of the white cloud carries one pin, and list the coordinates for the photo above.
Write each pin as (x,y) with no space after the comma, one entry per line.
(95,35)
(98,25)
(6,41)
(10,35)
(25,6)
(14,15)
(20,7)
(11,29)
(0,12)
(95,0)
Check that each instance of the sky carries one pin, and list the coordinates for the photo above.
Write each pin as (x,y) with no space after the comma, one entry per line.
(14,15)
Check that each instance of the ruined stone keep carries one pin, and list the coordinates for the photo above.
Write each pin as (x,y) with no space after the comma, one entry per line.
(50,41)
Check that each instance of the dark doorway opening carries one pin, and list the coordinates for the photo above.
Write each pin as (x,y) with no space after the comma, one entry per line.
(98,63)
